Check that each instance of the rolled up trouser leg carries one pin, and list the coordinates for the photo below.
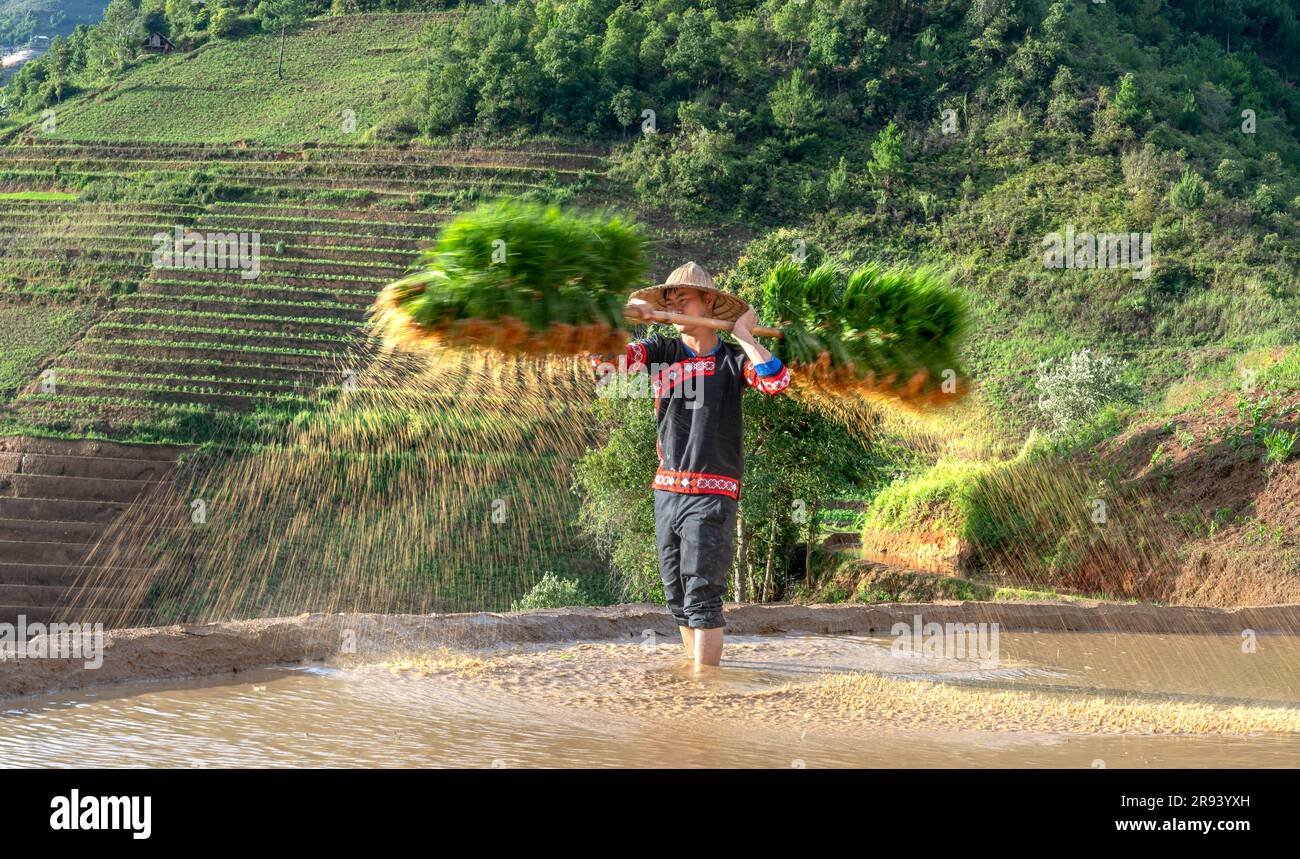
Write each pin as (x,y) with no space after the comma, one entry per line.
(705,526)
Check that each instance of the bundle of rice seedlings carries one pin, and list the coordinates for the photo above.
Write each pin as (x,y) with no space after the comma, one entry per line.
(518,278)
(890,333)
(532,279)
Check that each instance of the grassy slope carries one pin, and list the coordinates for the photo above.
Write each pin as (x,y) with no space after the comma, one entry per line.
(1222,283)
(1190,480)
(225,92)
(228,91)
(1216,455)
(38,195)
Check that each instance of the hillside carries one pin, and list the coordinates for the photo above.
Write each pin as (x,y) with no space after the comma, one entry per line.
(24,21)
(972,136)
(962,135)
(103,343)
(158,353)
(1195,500)
(228,90)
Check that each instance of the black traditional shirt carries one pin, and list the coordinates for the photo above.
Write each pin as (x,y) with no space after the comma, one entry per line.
(698,411)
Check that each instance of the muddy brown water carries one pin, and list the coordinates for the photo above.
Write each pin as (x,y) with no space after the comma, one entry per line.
(618,704)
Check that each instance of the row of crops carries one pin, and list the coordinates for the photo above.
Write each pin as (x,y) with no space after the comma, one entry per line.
(167,350)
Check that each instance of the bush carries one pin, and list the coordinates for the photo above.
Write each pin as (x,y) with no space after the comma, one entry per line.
(940,497)
(552,592)
(887,163)
(227,23)
(1265,199)
(617,510)
(1072,392)
(395,128)
(696,174)
(1229,174)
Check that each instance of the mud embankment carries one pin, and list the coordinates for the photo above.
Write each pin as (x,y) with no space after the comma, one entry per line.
(930,551)
(196,650)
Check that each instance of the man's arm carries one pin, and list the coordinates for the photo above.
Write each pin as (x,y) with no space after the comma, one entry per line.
(763,370)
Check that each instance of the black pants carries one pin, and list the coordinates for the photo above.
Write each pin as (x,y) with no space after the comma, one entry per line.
(696,539)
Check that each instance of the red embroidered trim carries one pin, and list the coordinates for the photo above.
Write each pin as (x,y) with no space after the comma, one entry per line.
(697,483)
(767,384)
(636,355)
(675,374)
(634,358)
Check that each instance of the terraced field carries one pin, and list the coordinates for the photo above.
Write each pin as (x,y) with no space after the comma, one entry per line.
(106,343)
(57,499)
(172,348)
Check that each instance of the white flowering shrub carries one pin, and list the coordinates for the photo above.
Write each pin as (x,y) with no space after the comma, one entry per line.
(1072,391)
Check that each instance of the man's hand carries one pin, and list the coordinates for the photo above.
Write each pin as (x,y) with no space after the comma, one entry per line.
(743,332)
(743,329)
(639,308)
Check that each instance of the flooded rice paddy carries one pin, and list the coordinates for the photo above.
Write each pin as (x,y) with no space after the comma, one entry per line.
(1048,700)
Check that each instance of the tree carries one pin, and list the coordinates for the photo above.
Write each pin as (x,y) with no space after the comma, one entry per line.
(1188,193)
(180,16)
(1266,199)
(1189,116)
(226,23)
(283,14)
(797,457)
(153,14)
(1230,174)
(121,32)
(828,46)
(1128,108)
(796,107)
(566,47)
(1064,108)
(626,107)
(617,58)
(60,64)
(693,56)
(886,165)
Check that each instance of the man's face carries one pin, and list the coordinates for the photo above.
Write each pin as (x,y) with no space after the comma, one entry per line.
(691,302)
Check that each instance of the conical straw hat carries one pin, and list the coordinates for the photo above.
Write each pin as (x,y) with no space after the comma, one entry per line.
(726,306)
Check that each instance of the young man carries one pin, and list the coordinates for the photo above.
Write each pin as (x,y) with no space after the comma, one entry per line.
(698,380)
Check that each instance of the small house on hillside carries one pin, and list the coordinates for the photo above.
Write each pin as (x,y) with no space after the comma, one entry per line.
(158,43)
